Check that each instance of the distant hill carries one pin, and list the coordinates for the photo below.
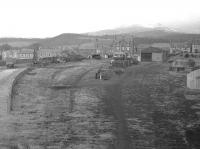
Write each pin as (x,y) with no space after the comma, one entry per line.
(134,29)
(120,30)
(66,39)
(60,40)
(138,30)
(70,41)
(19,42)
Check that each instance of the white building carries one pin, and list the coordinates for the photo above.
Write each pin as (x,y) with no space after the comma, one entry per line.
(49,52)
(18,54)
(28,54)
(9,54)
(25,54)
(196,48)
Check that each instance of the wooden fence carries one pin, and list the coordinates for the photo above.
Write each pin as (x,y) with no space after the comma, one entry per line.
(193,79)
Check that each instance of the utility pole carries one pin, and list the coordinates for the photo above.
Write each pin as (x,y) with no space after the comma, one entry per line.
(96,45)
(35,52)
(133,46)
(114,43)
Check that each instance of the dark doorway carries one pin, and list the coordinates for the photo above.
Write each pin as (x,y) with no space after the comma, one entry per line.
(146,57)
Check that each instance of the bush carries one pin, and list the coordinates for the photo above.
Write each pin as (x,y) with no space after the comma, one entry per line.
(2,63)
(186,55)
(191,63)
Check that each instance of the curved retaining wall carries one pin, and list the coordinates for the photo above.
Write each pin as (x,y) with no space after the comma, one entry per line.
(18,76)
(8,79)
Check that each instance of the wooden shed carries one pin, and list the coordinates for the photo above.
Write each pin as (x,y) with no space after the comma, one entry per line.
(179,65)
(193,79)
(153,54)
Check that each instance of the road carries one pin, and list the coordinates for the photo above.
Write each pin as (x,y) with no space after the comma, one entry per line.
(65,107)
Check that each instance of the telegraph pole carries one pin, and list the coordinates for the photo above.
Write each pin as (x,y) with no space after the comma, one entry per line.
(133,45)
(96,45)
(35,52)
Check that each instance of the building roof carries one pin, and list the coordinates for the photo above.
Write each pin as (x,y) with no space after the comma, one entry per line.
(195,42)
(179,44)
(53,50)
(161,45)
(27,51)
(152,50)
(143,46)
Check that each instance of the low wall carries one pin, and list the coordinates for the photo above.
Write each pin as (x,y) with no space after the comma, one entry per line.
(8,78)
(19,75)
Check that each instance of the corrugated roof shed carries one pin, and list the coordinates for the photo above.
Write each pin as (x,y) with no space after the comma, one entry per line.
(161,45)
(152,50)
(143,46)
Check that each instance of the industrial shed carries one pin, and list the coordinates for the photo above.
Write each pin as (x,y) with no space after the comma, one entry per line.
(153,54)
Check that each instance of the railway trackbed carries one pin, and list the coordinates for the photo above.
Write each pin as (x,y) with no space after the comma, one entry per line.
(51,111)
(65,107)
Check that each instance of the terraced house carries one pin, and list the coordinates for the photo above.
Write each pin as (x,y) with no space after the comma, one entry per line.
(180,47)
(18,54)
(27,54)
(49,52)
(10,54)
(196,47)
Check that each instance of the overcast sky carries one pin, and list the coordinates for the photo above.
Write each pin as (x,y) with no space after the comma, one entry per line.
(46,18)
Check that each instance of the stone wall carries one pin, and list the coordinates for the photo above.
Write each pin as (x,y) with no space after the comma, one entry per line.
(8,78)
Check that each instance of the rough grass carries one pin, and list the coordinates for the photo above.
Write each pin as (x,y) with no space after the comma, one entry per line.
(151,106)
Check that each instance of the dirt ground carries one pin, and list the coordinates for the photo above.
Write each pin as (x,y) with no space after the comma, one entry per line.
(65,107)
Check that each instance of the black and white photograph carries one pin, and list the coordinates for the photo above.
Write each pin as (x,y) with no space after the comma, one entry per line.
(99,74)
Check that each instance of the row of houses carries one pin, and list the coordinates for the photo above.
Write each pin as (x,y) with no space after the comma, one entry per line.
(175,47)
(150,52)
(190,47)
(26,53)
(195,47)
